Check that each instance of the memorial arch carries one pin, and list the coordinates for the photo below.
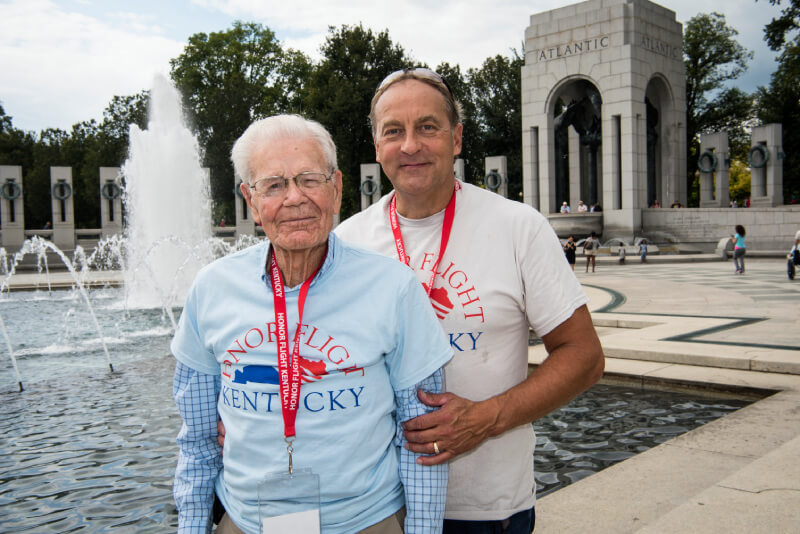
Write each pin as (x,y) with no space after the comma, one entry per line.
(604,110)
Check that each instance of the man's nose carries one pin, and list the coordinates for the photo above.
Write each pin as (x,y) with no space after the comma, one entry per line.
(411,143)
(294,195)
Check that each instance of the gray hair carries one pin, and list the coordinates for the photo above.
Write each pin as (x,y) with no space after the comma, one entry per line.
(264,131)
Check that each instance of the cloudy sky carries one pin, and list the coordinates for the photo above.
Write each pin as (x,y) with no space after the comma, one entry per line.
(61,61)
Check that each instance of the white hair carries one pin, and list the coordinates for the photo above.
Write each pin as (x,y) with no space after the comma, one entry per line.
(264,131)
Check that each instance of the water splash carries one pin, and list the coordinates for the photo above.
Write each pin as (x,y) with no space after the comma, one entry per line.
(78,269)
(168,203)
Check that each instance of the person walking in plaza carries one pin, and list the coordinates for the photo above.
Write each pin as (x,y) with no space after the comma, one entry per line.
(489,288)
(739,249)
(643,250)
(569,251)
(312,352)
(590,246)
(793,259)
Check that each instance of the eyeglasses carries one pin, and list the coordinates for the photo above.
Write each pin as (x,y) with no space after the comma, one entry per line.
(276,186)
(420,71)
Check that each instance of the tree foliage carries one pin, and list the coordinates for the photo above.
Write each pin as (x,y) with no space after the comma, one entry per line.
(712,57)
(778,29)
(228,79)
(780,101)
(85,148)
(338,95)
(497,92)
(739,181)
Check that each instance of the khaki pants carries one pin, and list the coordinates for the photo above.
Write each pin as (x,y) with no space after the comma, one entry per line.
(391,525)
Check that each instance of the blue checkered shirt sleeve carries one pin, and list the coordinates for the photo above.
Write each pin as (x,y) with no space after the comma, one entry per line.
(425,486)
(199,455)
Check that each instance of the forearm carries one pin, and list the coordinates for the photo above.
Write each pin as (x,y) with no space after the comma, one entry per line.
(425,486)
(575,362)
(199,458)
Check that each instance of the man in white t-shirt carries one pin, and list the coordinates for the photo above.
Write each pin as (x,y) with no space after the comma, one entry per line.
(493,268)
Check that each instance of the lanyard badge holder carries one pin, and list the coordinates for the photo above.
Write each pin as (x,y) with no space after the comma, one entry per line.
(288,501)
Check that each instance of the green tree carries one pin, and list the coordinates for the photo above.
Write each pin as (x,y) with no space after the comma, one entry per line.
(497,90)
(16,148)
(778,29)
(114,131)
(339,91)
(228,79)
(780,101)
(472,150)
(739,181)
(712,57)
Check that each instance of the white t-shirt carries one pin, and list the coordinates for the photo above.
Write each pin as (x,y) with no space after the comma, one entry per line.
(503,271)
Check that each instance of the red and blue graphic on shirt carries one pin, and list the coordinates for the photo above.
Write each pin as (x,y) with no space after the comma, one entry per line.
(311,339)
(333,358)
(452,286)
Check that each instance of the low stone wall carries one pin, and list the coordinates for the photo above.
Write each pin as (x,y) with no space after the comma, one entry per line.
(767,228)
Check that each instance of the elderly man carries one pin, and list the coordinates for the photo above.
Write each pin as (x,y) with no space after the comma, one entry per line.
(312,352)
(492,268)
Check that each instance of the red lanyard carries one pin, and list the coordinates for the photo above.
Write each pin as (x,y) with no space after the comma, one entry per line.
(447,225)
(288,371)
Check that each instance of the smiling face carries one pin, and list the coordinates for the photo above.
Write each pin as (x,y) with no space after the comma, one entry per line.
(297,221)
(415,144)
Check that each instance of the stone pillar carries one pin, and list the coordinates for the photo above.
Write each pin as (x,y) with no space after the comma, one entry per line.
(458,169)
(370,184)
(574,168)
(530,175)
(61,200)
(766,166)
(496,177)
(714,166)
(245,225)
(11,207)
(110,201)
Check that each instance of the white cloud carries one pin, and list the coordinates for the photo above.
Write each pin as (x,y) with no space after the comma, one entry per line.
(60,68)
(457,32)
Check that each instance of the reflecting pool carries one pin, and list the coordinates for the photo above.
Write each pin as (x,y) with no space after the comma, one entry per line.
(83,449)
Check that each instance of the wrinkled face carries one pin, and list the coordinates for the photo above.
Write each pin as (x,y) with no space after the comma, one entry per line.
(298,220)
(414,141)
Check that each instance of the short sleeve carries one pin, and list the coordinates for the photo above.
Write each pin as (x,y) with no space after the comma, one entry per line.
(187,344)
(421,346)
(552,292)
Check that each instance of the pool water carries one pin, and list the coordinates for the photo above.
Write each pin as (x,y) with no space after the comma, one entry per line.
(608,424)
(86,450)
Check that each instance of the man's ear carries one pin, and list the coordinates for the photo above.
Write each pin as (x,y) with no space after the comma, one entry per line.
(247,193)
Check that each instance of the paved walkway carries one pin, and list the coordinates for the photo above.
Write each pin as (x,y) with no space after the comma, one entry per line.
(677,324)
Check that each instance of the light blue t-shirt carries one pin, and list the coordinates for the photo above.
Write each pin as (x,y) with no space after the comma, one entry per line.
(739,241)
(368,329)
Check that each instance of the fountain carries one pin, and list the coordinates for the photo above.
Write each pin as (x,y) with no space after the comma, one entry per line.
(168,237)
(168,206)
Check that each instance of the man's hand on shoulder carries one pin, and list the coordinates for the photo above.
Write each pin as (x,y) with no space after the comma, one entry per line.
(457,427)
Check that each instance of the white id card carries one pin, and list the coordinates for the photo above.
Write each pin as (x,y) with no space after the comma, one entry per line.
(289,503)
